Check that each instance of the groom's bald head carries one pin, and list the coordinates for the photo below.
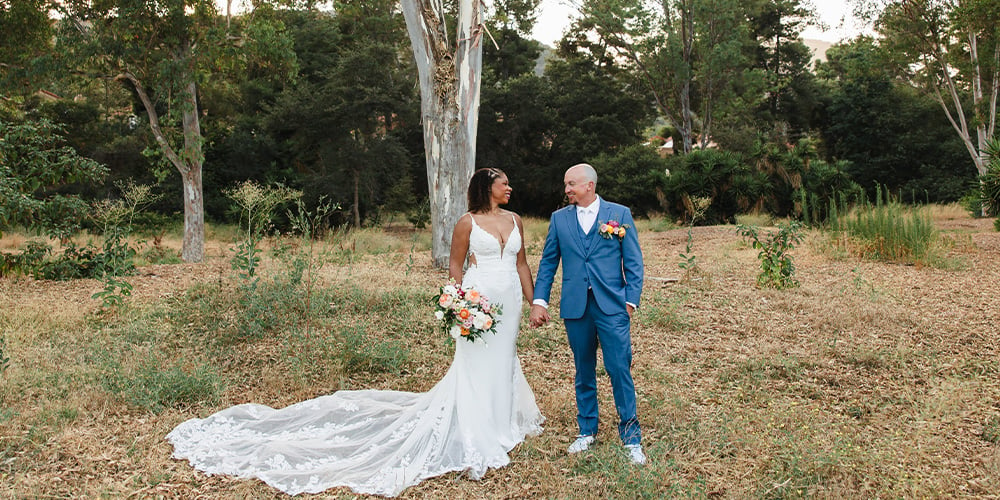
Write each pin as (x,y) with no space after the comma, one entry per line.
(585,170)
(580,183)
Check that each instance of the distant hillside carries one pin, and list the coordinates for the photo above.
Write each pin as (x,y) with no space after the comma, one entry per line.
(818,48)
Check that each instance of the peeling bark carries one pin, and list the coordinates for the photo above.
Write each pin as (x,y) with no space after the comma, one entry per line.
(449,94)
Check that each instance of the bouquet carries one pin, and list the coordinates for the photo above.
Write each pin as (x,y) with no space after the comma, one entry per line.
(466,313)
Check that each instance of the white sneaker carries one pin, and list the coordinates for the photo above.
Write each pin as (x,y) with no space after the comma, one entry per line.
(635,453)
(582,443)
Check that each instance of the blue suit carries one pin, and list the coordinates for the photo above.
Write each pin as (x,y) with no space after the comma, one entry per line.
(599,276)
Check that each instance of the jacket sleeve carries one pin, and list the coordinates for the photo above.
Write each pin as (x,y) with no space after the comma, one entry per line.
(632,264)
(549,262)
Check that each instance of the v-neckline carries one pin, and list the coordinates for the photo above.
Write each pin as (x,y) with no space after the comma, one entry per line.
(500,243)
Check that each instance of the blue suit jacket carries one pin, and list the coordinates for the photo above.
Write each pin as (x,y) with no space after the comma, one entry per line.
(611,267)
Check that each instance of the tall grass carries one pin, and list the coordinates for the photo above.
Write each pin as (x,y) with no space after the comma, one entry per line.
(889,231)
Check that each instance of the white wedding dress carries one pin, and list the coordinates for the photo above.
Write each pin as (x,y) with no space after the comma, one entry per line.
(380,442)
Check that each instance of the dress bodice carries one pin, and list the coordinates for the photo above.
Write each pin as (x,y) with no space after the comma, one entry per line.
(489,252)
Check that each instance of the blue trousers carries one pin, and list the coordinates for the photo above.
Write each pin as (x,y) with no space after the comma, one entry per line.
(613,333)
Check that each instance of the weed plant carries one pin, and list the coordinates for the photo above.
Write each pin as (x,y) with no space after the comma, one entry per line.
(4,358)
(777,270)
(358,352)
(664,312)
(155,386)
(696,207)
(256,205)
(309,224)
(991,430)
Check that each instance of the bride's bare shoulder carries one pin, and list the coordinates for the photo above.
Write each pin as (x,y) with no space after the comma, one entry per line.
(464,223)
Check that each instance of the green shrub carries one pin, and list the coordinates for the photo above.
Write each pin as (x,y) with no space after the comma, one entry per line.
(972,202)
(706,174)
(824,187)
(632,176)
(776,267)
(159,255)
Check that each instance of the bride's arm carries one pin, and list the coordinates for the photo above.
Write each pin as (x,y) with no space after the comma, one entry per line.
(459,247)
(523,271)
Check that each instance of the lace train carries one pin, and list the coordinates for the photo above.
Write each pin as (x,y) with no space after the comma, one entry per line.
(380,442)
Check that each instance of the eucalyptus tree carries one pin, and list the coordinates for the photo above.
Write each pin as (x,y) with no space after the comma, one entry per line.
(163,51)
(950,50)
(449,71)
(687,53)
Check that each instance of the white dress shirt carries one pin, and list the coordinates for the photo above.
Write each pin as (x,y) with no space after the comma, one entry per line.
(587,215)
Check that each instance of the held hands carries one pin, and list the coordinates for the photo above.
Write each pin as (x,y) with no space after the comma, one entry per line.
(538,316)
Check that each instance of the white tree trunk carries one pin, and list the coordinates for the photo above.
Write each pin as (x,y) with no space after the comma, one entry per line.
(449,76)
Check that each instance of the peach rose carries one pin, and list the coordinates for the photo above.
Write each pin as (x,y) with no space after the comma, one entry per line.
(445,300)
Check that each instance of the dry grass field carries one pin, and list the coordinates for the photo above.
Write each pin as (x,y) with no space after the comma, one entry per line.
(869,380)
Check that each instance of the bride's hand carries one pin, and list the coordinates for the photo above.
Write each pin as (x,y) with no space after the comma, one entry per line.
(538,316)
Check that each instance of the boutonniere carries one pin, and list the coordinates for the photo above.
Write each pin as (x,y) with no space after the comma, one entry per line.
(613,228)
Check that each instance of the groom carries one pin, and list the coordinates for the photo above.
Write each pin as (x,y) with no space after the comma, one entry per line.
(602,281)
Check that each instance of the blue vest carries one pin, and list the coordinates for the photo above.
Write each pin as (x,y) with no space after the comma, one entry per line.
(588,238)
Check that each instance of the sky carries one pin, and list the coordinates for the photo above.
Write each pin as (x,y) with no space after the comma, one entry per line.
(556,15)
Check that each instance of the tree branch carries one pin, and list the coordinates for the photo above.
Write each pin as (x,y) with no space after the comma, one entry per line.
(154,122)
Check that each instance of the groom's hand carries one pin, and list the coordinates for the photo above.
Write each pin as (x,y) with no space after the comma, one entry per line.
(538,316)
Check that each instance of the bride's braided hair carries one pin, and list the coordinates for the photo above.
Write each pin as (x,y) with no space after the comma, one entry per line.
(480,186)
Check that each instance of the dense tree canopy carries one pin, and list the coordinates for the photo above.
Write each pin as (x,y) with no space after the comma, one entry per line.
(327,101)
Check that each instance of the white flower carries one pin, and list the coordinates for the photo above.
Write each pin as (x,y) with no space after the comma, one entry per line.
(456,332)
(439,315)
(450,290)
(479,320)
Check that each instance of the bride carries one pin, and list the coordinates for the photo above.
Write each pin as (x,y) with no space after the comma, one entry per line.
(380,442)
